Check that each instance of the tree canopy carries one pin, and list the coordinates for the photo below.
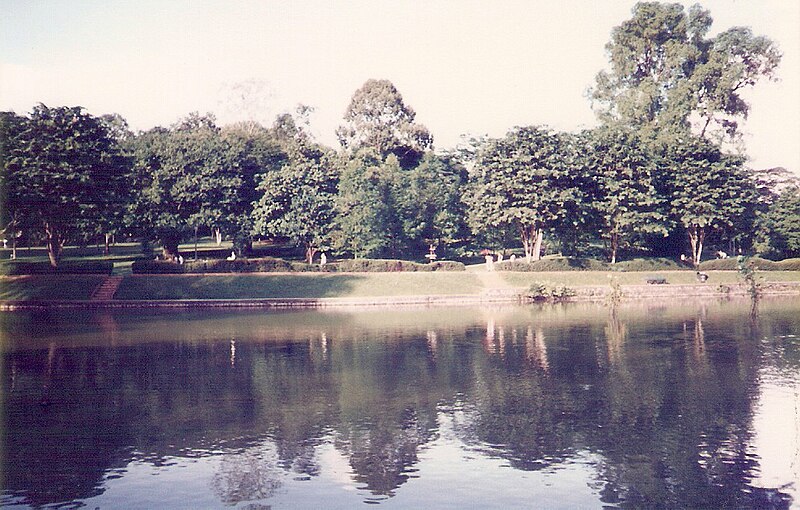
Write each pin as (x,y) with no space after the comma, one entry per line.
(377,117)
(665,73)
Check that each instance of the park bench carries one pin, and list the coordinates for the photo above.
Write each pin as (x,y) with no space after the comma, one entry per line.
(655,280)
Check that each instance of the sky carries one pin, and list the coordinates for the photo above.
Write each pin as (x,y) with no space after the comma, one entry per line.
(467,67)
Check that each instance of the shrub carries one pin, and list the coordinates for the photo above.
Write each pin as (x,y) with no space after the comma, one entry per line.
(543,292)
(649,264)
(64,267)
(552,264)
(156,267)
(731,264)
(260,265)
(390,266)
(789,265)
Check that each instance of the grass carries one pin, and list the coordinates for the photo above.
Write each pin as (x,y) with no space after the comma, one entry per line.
(321,285)
(243,286)
(48,287)
(579,278)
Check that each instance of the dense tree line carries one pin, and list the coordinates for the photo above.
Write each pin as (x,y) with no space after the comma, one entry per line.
(653,178)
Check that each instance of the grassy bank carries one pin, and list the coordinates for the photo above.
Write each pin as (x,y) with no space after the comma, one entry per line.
(48,287)
(347,285)
(579,278)
(296,285)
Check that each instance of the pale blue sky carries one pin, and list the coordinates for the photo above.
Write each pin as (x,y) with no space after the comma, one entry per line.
(480,66)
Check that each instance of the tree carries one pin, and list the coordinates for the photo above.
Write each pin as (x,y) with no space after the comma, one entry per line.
(524,181)
(377,117)
(779,228)
(627,201)
(194,176)
(665,72)
(711,190)
(298,200)
(367,224)
(12,209)
(65,170)
(429,203)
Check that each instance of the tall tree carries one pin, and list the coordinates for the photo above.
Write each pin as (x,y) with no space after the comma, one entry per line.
(523,181)
(66,171)
(711,191)
(627,202)
(298,200)
(779,228)
(367,224)
(378,118)
(194,176)
(429,203)
(665,73)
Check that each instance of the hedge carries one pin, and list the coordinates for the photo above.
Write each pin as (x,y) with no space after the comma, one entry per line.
(64,267)
(271,265)
(390,266)
(732,264)
(552,264)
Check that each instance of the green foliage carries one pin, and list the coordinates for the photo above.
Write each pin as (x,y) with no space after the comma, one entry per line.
(552,264)
(626,199)
(17,267)
(524,182)
(298,200)
(665,72)
(710,190)
(367,223)
(271,265)
(648,264)
(732,264)
(429,204)
(552,293)
(63,172)
(779,228)
(196,176)
(390,266)
(377,118)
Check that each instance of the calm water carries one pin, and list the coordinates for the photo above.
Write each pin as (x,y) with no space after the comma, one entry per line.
(547,407)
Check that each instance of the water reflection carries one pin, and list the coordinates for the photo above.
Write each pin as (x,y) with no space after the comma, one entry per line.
(654,406)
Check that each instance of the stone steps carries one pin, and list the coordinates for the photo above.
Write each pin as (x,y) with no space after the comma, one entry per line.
(106,290)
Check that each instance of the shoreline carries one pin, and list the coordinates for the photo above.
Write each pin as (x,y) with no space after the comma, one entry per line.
(493,296)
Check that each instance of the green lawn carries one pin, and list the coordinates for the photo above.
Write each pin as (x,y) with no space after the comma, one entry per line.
(316,285)
(579,278)
(48,287)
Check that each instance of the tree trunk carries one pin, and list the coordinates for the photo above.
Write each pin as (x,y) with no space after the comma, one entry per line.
(107,249)
(54,244)
(195,242)
(537,247)
(218,236)
(310,252)
(14,248)
(531,241)
(614,247)
(697,235)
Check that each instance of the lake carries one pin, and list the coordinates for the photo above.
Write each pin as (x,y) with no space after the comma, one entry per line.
(544,406)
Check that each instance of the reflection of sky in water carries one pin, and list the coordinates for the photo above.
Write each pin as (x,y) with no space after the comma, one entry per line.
(538,407)
(777,430)
(446,467)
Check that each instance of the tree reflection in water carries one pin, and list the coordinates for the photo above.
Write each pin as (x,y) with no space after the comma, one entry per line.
(663,398)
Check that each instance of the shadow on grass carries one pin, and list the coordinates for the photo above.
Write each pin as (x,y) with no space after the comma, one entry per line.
(241,286)
(49,287)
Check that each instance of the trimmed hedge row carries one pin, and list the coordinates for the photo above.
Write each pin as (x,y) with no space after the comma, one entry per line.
(552,264)
(271,265)
(64,267)
(390,266)
(732,264)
